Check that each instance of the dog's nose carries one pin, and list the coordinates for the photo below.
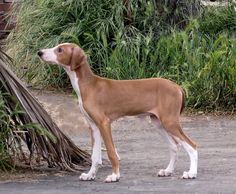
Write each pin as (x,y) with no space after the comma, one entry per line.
(40,53)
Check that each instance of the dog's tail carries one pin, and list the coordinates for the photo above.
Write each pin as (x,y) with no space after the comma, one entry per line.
(183,100)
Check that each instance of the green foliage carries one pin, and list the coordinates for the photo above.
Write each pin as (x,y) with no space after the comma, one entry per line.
(10,122)
(222,19)
(13,130)
(156,43)
(203,65)
(4,134)
(98,26)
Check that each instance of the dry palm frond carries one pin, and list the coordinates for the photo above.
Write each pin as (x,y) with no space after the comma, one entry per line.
(40,132)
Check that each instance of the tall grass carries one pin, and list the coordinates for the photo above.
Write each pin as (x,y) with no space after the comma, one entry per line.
(205,66)
(11,132)
(221,20)
(158,42)
(4,135)
(95,25)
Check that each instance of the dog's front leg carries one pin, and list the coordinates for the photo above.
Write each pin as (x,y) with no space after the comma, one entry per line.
(96,155)
(105,129)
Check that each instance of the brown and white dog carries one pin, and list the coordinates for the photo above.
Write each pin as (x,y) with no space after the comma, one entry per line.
(104,100)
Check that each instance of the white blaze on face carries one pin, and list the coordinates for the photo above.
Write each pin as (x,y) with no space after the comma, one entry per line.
(49,55)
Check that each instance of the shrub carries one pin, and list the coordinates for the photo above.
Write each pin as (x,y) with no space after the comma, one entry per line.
(205,66)
(216,21)
(156,43)
(4,135)
(97,26)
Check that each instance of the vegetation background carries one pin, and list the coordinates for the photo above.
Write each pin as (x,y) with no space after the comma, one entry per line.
(178,40)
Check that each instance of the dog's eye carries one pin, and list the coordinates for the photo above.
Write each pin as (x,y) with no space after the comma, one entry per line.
(59,50)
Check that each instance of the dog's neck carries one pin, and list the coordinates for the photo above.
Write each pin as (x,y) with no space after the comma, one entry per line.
(84,73)
(80,78)
(76,77)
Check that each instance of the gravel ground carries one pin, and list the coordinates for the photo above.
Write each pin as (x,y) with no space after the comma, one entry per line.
(143,152)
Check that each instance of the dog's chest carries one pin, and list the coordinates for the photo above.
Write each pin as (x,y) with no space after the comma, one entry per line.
(75,84)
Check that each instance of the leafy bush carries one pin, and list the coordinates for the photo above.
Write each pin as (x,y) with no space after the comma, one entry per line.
(201,57)
(205,66)
(4,134)
(11,125)
(217,21)
(98,26)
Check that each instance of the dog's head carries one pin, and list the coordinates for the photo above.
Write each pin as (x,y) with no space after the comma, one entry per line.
(67,54)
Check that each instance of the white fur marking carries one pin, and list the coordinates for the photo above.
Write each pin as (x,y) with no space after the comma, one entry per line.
(96,154)
(112,178)
(173,148)
(75,84)
(193,154)
(49,55)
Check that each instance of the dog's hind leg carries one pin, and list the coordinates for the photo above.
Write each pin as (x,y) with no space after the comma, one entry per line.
(173,148)
(193,154)
(172,127)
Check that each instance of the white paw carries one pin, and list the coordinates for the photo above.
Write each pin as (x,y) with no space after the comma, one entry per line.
(87,177)
(112,178)
(164,173)
(189,175)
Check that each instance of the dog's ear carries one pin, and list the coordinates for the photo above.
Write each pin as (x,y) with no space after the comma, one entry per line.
(77,58)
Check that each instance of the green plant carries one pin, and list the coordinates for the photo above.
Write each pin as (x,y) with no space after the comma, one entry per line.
(4,134)
(218,20)
(205,66)
(13,130)
(95,25)
(158,41)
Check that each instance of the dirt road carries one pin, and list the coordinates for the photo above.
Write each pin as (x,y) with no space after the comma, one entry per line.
(143,152)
